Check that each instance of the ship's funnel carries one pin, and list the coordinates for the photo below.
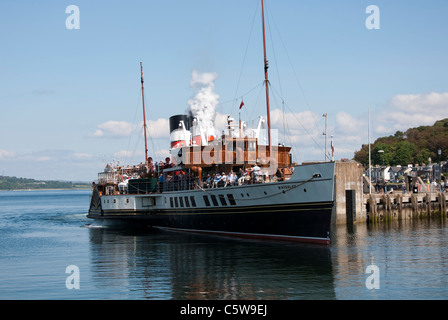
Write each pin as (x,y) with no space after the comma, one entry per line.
(180,131)
(175,121)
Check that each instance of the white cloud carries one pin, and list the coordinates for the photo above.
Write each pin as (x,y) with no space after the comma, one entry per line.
(302,120)
(411,110)
(6,154)
(53,164)
(82,156)
(161,154)
(401,112)
(159,128)
(297,128)
(415,102)
(126,154)
(122,129)
(349,133)
(304,130)
(98,133)
(114,129)
(347,124)
(44,158)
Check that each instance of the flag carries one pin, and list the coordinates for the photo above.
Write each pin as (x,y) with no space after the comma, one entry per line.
(242,104)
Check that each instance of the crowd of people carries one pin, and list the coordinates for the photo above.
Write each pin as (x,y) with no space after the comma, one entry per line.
(184,179)
(249,176)
(427,186)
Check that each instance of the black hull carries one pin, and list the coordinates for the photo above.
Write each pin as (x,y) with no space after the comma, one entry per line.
(304,222)
(299,209)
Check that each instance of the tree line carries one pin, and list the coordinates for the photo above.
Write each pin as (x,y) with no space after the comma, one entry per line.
(14,183)
(414,146)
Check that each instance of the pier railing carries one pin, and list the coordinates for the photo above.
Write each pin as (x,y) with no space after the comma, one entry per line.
(152,185)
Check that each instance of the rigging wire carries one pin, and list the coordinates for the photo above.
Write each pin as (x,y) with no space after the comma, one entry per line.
(244,58)
(316,121)
(256,101)
(154,143)
(293,69)
(301,124)
(130,136)
(277,69)
(257,86)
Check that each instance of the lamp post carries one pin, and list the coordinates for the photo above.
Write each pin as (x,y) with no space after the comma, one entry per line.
(383,171)
(439,152)
(382,151)
(325,134)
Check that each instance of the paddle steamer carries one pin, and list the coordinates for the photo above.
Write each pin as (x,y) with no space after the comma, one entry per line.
(239,183)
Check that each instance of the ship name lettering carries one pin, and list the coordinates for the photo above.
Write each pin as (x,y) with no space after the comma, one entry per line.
(287,187)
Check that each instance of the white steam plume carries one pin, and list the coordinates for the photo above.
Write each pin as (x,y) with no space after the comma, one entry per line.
(203,104)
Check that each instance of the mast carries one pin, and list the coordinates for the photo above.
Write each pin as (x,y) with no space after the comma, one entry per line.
(266,80)
(370,161)
(144,116)
(325,134)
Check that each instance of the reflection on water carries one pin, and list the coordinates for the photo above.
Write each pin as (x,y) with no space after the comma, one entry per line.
(412,257)
(168,265)
(41,233)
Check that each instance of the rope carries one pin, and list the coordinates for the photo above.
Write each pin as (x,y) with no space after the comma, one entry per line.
(273,194)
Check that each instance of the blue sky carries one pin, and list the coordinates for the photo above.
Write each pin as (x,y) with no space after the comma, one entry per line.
(70,99)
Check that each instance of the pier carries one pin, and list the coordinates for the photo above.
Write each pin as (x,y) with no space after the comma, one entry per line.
(354,204)
(399,206)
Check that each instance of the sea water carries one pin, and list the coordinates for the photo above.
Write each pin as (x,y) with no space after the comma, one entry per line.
(50,250)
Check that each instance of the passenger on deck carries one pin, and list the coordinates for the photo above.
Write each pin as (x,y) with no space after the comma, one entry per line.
(231,179)
(208,181)
(160,183)
(242,176)
(216,180)
(279,174)
(223,181)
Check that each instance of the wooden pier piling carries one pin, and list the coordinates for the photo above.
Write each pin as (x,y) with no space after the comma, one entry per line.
(398,206)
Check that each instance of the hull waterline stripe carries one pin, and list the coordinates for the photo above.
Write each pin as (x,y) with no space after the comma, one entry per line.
(251,235)
(220,210)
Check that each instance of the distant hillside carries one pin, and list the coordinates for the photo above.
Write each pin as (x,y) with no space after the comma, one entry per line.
(13,183)
(415,146)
